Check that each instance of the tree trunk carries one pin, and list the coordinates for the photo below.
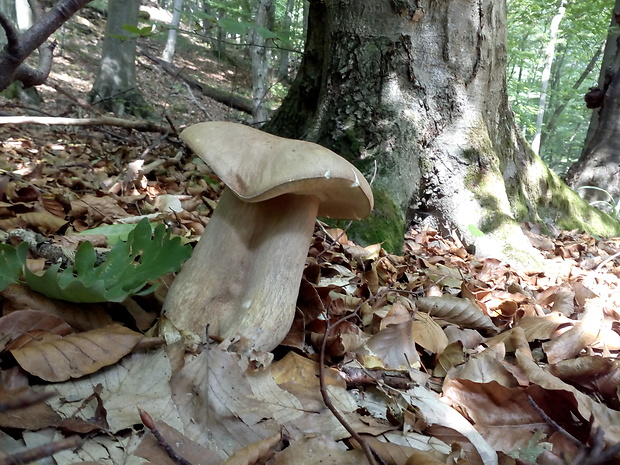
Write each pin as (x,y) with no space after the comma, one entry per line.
(171,43)
(115,86)
(260,64)
(283,60)
(546,74)
(416,97)
(599,163)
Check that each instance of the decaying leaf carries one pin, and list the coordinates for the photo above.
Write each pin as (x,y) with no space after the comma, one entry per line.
(455,310)
(76,355)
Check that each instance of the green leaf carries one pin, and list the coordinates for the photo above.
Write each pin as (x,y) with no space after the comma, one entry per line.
(266,33)
(131,28)
(10,265)
(474,231)
(114,232)
(233,27)
(126,270)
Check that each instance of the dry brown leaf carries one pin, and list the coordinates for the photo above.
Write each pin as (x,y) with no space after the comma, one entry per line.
(151,450)
(20,297)
(259,452)
(455,310)
(392,348)
(78,354)
(485,367)
(23,322)
(396,447)
(318,451)
(449,425)
(428,334)
(44,222)
(584,333)
(97,208)
(423,458)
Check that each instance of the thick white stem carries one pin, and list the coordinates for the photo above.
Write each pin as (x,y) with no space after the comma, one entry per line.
(244,274)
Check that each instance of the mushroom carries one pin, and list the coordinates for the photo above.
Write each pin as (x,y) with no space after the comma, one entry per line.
(244,274)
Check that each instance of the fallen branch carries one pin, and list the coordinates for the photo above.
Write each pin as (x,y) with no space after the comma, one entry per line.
(227,98)
(144,126)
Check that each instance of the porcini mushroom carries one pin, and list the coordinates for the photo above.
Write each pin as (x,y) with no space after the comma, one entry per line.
(244,274)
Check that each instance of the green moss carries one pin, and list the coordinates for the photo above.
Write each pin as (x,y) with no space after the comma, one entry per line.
(386,224)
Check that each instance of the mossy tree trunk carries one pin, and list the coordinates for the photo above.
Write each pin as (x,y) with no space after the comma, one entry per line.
(115,87)
(414,93)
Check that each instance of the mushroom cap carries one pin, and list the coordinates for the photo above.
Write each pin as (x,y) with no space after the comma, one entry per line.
(258,166)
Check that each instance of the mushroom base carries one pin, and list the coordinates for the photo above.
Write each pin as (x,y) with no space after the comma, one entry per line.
(244,274)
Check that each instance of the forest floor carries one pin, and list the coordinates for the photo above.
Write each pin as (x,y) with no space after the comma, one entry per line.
(468,360)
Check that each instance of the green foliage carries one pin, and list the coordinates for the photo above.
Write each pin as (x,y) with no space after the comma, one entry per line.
(10,266)
(114,232)
(135,31)
(582,31)
(126,270)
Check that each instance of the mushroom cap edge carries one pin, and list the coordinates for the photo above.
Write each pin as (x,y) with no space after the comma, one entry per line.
(258,166)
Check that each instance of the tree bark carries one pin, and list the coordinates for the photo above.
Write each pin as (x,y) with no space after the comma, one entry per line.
(21,47)
(599,163)
(171,43)
(260,64)
(115,87)
(546,74)
(415,94)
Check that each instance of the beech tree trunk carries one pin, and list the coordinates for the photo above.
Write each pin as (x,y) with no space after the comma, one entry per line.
(414,93)
(599,163)
(115,87)
(260,63)
(171,42)
(546,74)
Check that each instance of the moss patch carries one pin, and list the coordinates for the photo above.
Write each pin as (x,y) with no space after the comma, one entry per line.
(386,224)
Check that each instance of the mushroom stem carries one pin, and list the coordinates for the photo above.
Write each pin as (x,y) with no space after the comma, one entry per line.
(243,276)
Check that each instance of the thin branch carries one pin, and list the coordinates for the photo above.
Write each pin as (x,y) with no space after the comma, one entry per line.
(370,455)
(144,126)
(46,450)
(150,424)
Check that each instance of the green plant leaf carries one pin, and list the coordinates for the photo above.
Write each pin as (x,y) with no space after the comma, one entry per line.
(114,232)
(474,231)
(131,29)
(10,265)
(126,270)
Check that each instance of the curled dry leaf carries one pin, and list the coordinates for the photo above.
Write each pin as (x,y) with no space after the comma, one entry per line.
(462,312)
(22,323)
(78,354)
(423,458)
(392,348)
(585,333)
(259,452)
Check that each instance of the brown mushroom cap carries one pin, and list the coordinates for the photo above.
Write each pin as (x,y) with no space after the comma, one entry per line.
(258,166)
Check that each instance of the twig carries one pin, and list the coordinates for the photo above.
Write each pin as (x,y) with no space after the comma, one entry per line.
(101,121)
(24,400)
(587,455)
(370,455)
(553,423)
(37,453)
(150,424)
(198,104)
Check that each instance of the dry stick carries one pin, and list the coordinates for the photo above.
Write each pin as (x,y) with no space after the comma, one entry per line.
(147,420)
(144,126)
(586,456)
(327,401)
(46,450)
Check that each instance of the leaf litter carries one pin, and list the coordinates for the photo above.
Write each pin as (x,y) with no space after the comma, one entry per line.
(432,356)
(431,352)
